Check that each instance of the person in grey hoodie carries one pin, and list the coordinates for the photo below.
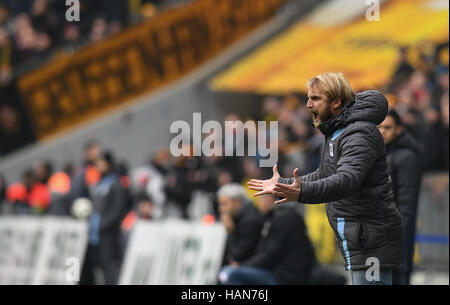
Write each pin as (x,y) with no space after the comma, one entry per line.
(352,179)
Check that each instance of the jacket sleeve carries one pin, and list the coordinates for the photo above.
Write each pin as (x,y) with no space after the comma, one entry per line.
(408,185)
(359,148)
(313,176)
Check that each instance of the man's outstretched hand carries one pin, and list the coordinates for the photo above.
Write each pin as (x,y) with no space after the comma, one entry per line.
(265,186)
(271,186)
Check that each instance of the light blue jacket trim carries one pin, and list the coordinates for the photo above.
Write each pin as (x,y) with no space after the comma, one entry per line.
(337,133)
(341,227)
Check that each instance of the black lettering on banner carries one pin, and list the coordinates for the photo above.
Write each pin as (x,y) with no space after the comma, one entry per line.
(139,59)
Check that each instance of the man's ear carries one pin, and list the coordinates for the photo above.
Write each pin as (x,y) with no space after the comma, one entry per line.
(337,104)
(399,130)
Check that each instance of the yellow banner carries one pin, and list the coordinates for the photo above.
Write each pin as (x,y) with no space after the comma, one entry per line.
(366,52)
(321,234)
(74,87)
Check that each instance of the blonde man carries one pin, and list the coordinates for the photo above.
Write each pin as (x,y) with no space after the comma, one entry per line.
(352,179)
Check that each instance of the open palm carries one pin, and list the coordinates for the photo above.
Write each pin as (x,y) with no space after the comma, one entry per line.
(287,192)
(265,186)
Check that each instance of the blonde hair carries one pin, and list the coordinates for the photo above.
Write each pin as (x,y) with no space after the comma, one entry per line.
(334,85)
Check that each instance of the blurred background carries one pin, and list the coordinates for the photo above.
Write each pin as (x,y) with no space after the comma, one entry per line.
(86,107)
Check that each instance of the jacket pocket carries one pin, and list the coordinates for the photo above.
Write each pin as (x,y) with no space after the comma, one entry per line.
(348,233)
(363,235)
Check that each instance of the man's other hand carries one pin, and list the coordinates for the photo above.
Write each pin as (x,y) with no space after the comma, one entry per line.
(288,192)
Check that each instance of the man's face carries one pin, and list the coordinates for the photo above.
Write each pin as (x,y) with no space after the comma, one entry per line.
(224,204)
(319,106)
(389,130)
(102,165)
(145,209)
(228,205)
(92,153)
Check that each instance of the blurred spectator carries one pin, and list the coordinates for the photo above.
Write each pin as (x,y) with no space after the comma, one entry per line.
(4,14)
(151,179)
(28,41)
(15,130)
(89,175)
(403,71)
(116,14)
(6,58)
(210,174)
(98,30)
(419,97)
(179,186)
(442,84)
(59,185)
(404,156)
(71,37)
(43,19)
(28,196)
(284,254)
(108,198)
(270,109)
(251,169)
(232,159)
(39,198)
(10,127)
(43,171)
(125,183)
(143,209)
(16,199)
(242,220)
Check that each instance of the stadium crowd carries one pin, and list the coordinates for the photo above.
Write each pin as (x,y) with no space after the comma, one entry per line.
(168,186)
(32,31)
(419,91)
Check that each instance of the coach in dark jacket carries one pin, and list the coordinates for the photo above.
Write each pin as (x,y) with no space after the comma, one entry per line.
(404,167)
(352,179)
(109,202)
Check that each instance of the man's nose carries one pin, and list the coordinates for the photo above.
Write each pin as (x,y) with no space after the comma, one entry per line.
(309,104)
